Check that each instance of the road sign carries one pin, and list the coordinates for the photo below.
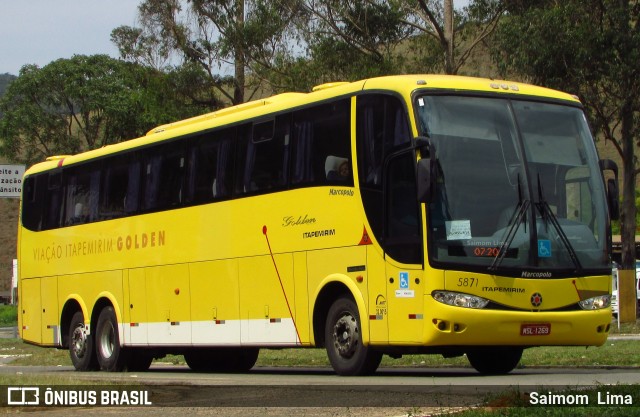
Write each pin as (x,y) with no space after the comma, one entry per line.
(11,180)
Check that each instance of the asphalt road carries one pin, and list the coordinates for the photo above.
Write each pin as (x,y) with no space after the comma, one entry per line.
(314,392)
(167,374)
(175,391)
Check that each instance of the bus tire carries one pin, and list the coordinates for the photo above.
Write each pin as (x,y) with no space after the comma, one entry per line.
(246,359)
(111,357)
(81,349)
(343,340)
(222,359)
(138,360)
(495,360)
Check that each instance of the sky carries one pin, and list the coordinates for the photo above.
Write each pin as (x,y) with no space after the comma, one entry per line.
(41,31)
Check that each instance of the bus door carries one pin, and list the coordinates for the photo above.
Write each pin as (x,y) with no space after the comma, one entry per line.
(402,242)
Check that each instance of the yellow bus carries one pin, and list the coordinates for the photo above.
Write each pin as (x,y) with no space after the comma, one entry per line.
(395,215)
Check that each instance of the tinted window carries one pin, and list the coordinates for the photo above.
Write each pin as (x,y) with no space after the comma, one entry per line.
(35,187)
(82,190)
(264,156)
(52,216)
(322,137)
(210,166)
(163,176)
(382,128)
(120,188)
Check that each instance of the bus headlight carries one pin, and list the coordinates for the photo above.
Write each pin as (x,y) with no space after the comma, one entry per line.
(458,299)
(596,303)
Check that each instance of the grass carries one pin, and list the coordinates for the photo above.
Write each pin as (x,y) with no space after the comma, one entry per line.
(622,353)
(625,328)
(8,315)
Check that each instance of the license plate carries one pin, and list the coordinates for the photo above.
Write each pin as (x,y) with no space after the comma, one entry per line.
(541,329)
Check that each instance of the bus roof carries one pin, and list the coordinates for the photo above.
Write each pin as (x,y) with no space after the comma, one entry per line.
(402,84)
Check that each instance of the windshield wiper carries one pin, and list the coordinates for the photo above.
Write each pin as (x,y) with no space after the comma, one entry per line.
(516,219)
(514,223)
(547,215)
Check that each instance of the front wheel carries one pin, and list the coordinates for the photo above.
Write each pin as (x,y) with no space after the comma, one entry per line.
(111,356)
(138,360)
(81,349)
(494,360)
(343,340)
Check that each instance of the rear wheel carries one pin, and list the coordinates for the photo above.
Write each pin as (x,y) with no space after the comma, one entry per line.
(495,360)
(343,340)
(81,345)
(111,356)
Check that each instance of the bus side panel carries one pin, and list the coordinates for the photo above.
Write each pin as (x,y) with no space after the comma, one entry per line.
(303,309)
(263,305)
(137,326)
(30,305)
(168,305)
(50,311)
(215,297)
(347,263)
(88,288)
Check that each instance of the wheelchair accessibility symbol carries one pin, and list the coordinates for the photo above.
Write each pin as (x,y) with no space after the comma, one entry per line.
(544,248)
(404,280)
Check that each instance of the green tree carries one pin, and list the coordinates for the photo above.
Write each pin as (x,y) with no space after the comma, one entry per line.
(226,38)
(591,48)
(85,102)
(398,35)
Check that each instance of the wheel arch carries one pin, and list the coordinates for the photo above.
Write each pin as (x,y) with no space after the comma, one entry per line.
(332,288)
(72,305)
(103,301)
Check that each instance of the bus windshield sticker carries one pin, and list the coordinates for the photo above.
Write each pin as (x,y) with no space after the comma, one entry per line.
(458,229)
(544,248)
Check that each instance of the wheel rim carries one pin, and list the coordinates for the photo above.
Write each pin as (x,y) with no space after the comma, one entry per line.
(346,335)
(106,341)
(79,341)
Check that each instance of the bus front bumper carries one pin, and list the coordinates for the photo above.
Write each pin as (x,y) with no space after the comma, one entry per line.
(457,326)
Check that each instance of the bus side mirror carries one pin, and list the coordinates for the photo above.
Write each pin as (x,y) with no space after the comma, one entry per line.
(425,174)
(613,195)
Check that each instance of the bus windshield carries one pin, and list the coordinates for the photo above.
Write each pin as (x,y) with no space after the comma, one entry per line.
(518,188)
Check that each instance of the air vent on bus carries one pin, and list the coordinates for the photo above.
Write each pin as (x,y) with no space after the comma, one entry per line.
(328,85)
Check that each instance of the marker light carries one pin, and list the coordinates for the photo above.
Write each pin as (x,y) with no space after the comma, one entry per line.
(596,303)
(458,299)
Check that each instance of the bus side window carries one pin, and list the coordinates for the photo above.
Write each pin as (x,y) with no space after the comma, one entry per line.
(209,170)
(32,203)
(120,187)
(322,138)
(53,201)
(163,174)
(382,127)
(264,156)
(82,189)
